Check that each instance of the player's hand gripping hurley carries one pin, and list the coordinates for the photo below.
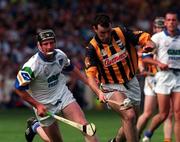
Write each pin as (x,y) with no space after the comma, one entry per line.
(126,104)
(88,129)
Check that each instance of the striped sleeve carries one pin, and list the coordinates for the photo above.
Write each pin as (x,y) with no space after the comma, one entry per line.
(144,37)
(135,37)
(90,61)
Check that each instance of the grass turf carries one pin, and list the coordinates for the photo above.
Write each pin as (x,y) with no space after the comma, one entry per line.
(13,123)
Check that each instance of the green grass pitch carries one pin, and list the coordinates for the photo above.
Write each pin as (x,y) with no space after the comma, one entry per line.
(13,123)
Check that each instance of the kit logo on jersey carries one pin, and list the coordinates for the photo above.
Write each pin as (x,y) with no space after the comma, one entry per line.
(103,52)
(25,75)
(53,80)
(23,78)
(115,58)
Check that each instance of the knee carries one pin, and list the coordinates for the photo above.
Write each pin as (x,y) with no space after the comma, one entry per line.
(147,114)
(163,116)
(170,115)
(177,115)
(130,116)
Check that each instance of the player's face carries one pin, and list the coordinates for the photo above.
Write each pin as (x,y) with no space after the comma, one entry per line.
(103,33)
(171,22)
(157,29)
(47,47)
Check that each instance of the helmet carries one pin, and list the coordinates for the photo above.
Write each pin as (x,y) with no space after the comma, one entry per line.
(159,22)
(45,35)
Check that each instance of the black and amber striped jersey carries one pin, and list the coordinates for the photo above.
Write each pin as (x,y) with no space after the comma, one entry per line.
(149,68)
(116,62)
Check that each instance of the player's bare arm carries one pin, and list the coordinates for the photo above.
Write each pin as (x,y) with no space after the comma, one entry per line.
(94,86)
(76,72)
(41,109)
(90,82)
(149,46)
(160,65)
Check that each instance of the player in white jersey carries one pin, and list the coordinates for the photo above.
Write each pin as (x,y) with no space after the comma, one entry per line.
(42,84)
(168,79)
(149,70)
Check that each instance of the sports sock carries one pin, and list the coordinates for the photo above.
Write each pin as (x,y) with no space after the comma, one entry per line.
(148,134)
(35,126)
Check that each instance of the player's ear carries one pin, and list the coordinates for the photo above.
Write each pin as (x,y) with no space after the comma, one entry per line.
(38,44)
(95,28)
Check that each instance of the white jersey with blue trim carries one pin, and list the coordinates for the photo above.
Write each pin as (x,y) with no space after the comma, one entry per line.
(168,49)
(44,80)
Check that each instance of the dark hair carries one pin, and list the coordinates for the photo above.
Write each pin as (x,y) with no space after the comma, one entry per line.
(171,11)
(101,19)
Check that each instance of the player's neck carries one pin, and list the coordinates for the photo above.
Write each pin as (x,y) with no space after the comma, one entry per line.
(47,58)
(173,33)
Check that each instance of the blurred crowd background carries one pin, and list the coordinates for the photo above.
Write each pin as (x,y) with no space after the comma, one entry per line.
(70,19)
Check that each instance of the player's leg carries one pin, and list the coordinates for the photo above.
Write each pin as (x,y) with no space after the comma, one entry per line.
(40,131)
(49,125)
(149,106)
(128,119)
(33,128)
(30,132)
(73,112)
(168,125)
(53,132)
(164,85)
(150,102)
(164,105)
(120,135)
(176,109)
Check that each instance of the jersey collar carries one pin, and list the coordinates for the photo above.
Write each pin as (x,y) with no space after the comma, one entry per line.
(41,55)
(177,32)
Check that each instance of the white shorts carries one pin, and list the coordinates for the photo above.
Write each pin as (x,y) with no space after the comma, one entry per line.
(149,86)
(167,82)
(131,90)
(56,108)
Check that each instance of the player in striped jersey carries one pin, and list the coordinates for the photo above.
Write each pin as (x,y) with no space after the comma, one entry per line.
(41,83)
(111,59)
